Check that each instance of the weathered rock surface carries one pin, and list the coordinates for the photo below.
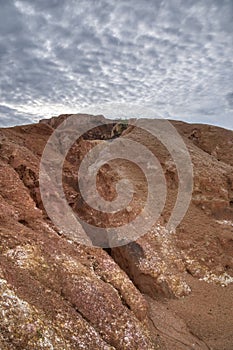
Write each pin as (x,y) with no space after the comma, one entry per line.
(58,294)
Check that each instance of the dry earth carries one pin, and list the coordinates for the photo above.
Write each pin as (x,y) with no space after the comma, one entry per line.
(167,290)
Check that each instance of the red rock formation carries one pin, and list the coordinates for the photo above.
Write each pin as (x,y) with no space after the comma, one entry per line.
(168,290)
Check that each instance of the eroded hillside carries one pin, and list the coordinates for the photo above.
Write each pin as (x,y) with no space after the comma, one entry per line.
(167,290)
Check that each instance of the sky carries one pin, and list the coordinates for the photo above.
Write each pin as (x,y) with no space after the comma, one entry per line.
(172,57)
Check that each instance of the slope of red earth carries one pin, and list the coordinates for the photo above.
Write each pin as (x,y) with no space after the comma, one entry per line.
(167,290)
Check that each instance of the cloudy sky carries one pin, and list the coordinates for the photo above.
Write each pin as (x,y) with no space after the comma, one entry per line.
(174,57)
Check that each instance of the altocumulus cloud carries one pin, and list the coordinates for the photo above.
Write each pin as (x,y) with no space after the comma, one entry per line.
(174,57)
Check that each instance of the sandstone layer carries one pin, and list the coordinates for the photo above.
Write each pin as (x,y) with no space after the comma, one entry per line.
(167,290)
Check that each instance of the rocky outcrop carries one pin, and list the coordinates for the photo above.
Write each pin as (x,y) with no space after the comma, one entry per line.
(56,293)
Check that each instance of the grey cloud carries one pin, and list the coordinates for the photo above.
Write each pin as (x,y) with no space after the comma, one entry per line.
(10,116)
(10,20)
(229,98)
(52,6)
(3,50)
(171,56)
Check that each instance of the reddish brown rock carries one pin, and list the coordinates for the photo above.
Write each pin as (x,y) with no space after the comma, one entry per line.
(149,294)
